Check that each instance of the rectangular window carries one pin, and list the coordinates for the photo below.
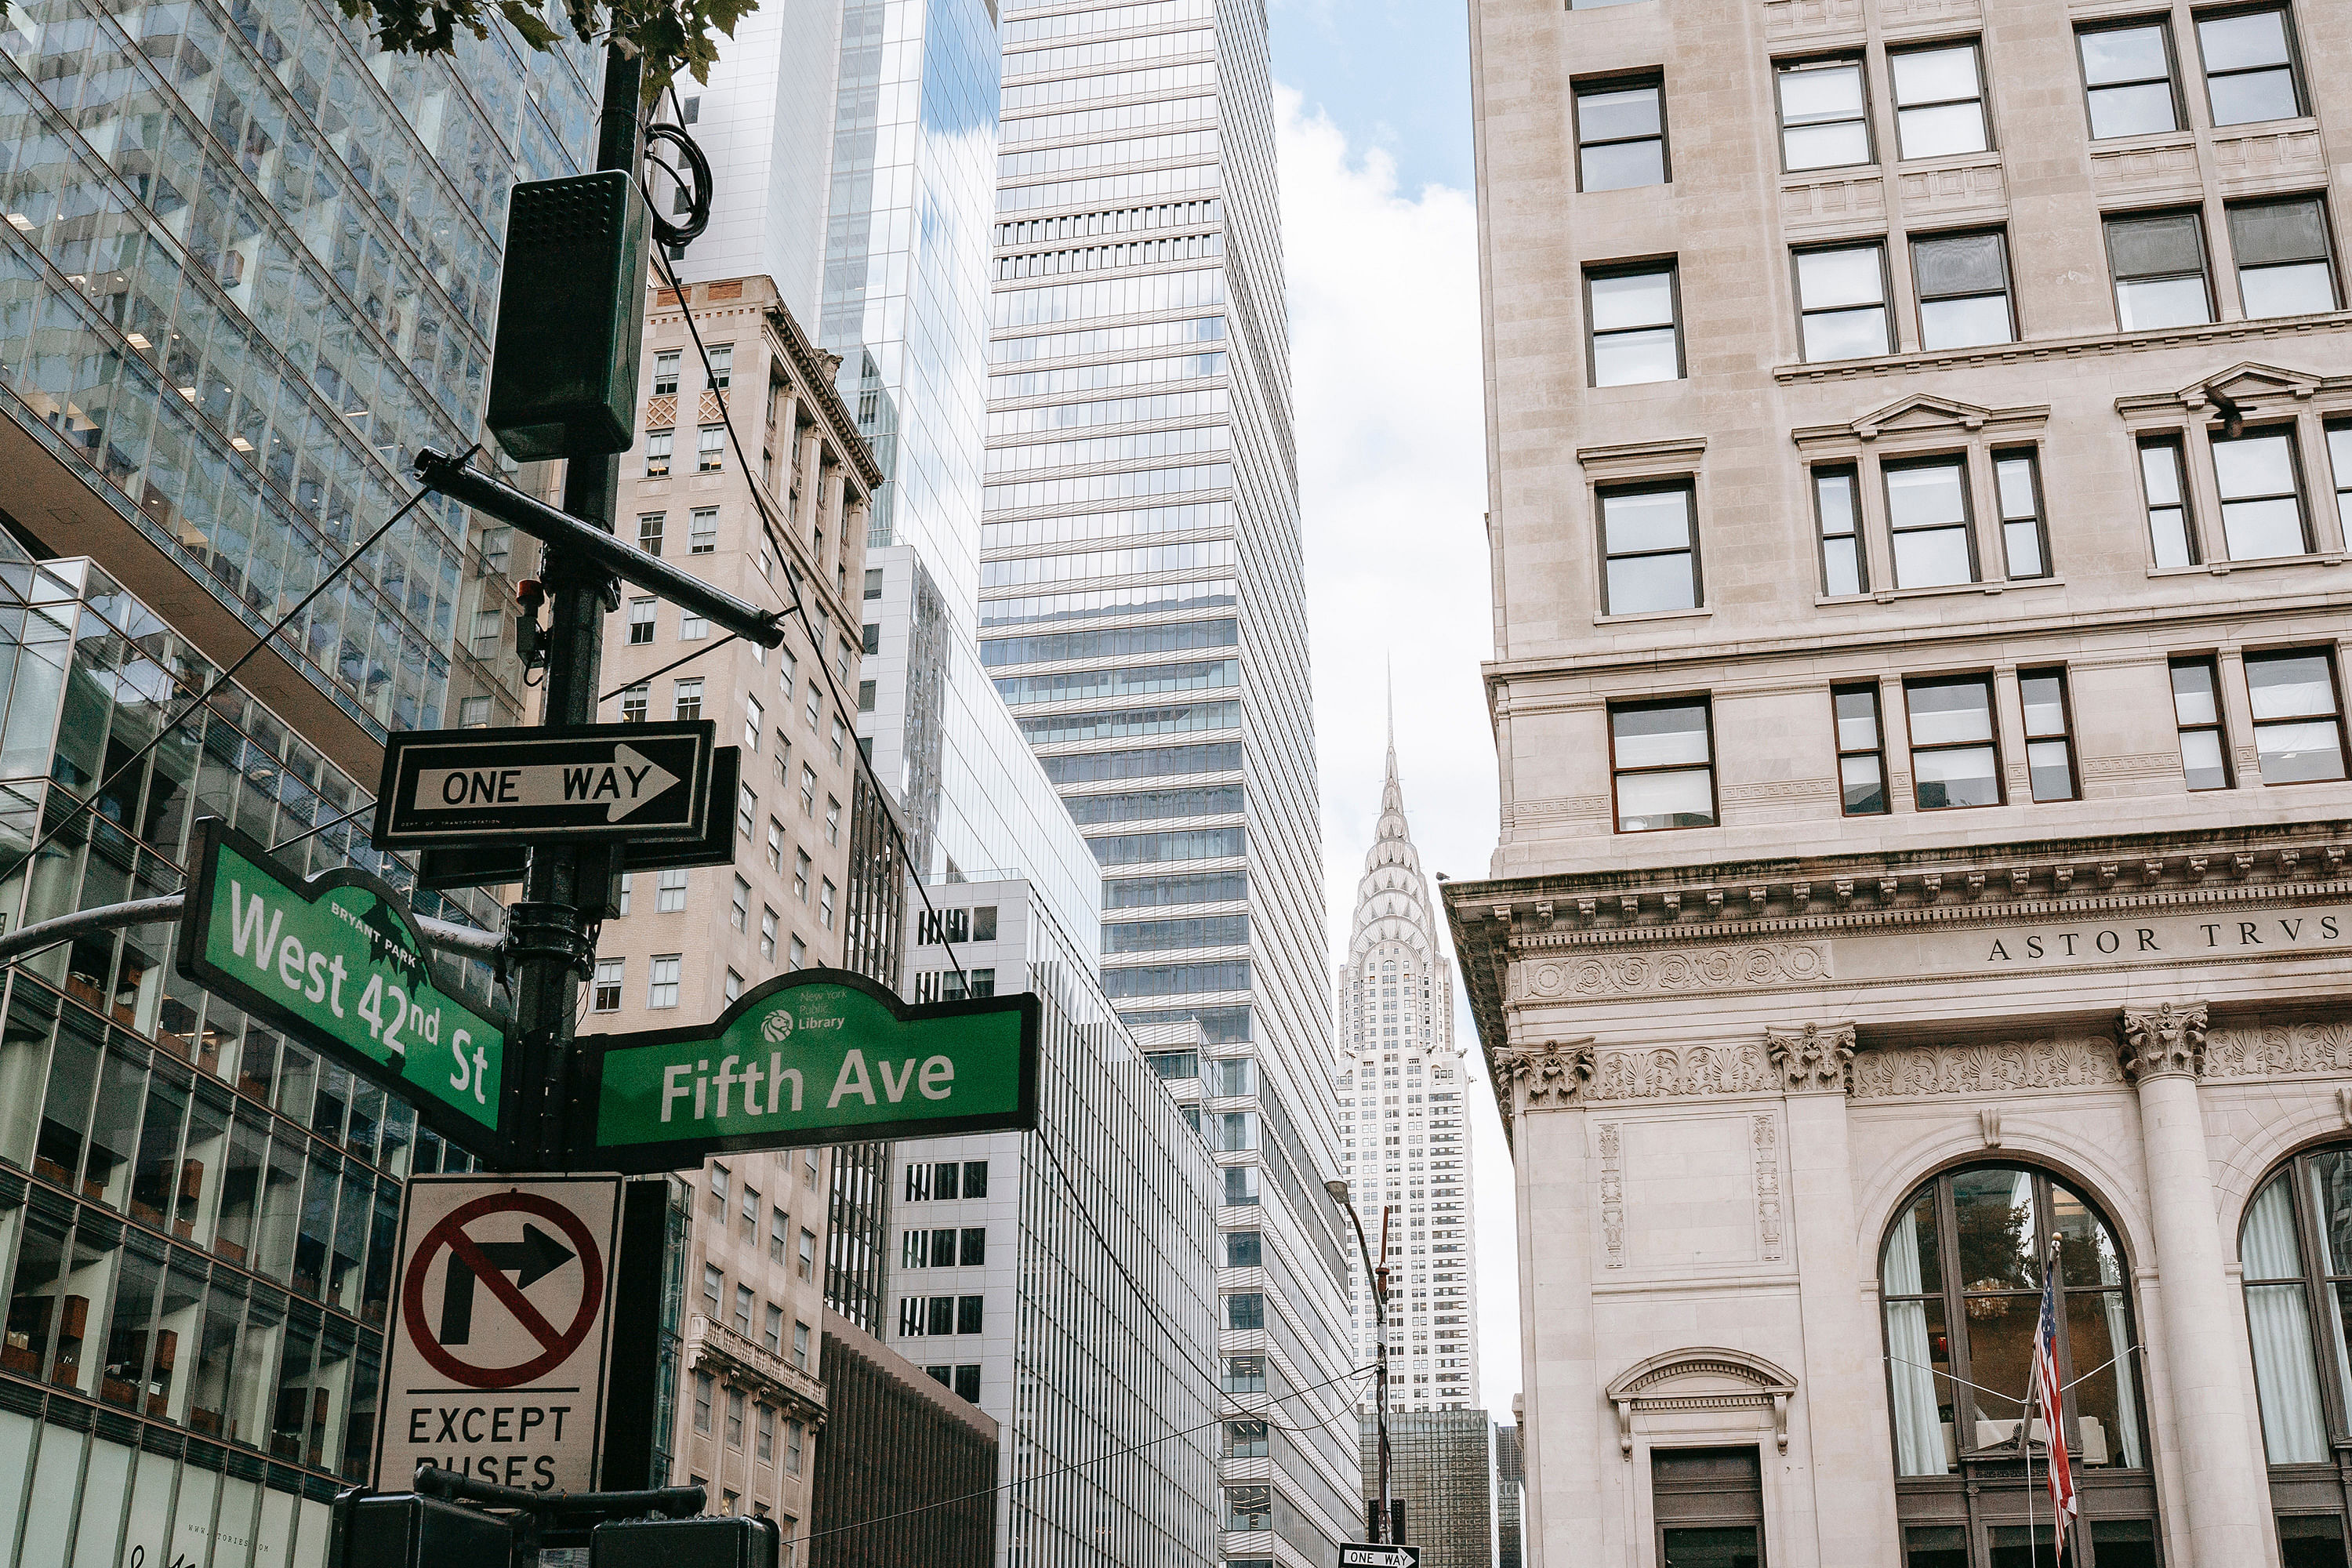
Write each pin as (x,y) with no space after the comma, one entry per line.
(2049,735)
(722,365)
(1955,760)
(703,530)
(1844,569)
(824,897)
(692,627)
(2024,531)
(1662,762)
(969,1313)
(709,448)
(1841,301)
(661,990)
(714,1279)
(866,697)
(2298,715)
(801,1346)
(747,812)
(686,700)
(2158,263)
(2262,502)
(739,914)
(627,879)
(1862,750)
(873,583)
(2285,266)
(2249,66)
(649,532)
(753,716)
(1635,335)
(641,621)
(1651,558)
(767,1429)
(967,1383)
(704,1386)
(1939,101)
(1710,1504)
(666,373)
(1620,134)
(608,984)
(795,1434)
(975,1179)
(2339,462)
(801,865)
(780,1230)
(632,704)
(1824,114)
(797,954)
(744,1302)
(2197,709)
(767,934)
(806,1265)
(657,454)
(1963,291)
(2128,77)
(974,1248)
(1928,517)
(1245,1311)
(2168,530)
(670,889)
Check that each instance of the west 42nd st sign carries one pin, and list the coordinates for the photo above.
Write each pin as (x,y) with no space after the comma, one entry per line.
(821,1056)
(335,962)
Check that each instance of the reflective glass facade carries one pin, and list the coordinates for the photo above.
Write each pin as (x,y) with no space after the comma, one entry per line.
(196,1214)
(1143,612)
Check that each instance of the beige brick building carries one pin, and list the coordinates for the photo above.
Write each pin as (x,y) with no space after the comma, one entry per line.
(1919,439)
(687,942)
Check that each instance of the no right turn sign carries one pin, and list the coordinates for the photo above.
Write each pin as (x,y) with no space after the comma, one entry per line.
(496,1361)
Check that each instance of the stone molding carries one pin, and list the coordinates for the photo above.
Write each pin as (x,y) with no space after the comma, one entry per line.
(1761,1385)
(2167,1041)
(2279,1051)
(1677,1072)
(1544,1078)
(1813,1058)
(1996,1067)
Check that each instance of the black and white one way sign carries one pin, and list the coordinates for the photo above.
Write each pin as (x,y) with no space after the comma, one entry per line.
(1361,1554)
(444,787)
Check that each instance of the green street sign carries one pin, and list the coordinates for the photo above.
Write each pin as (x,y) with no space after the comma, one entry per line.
(335,962)
(820,1055)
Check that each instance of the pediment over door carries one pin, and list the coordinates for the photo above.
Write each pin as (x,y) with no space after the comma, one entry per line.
(1701,1378)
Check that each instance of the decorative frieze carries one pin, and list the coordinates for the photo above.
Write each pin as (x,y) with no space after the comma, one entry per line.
(2166,1041)
(2279,1051)
(1981,1067)
(1767,1184)
(1813,1057)
(1705,969)
(1669,1072)
(1612,1193)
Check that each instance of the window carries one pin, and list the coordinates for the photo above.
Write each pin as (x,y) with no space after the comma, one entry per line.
(832,820)
(1246,1311)
(801,865)
(709,448)
(798,955)
(1621,135)
(649,532)
(641,621)
(704,1385)
(806,1265)
(692,627)
(1662,762)
(1825,117)
(1841,301)
(840,737)
(1710,1504)
(2262,502)
(1963,291)
(739,914)
(632,704)
(1928,517)
(670,889)
(1862,750)
(975,1179)
(873,583)
(767,1430)
(796,1433)
(747,811)
(1844,569)
(967,1384)
(657,454)
(969,1315)
(1939,101)
(686,700)
(744,1303)
(1244,1373)
(1245,1440)
(808,789)
(474,713)
(488,628)
(2197,709)
(1249,1507)
(1651,557)
(2298,1253)
(816,702)
(866,697)
(752,715)
(2128,77)
(1244,1249)
(2298,715)
(2049,735)
(2168,531)
(1635,335)
(722,365)
(2024,537)
(628,879)
(801,1346)
(2158,262)
(767,934)
(608,984)
(666,373)
(2339,461)
(661,990)
(2249,66)
(2284,265)
(710,1274)
(1955,760)
(824,897)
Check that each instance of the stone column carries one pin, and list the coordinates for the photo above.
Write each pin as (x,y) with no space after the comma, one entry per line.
(2222,1476)
(1844,1416)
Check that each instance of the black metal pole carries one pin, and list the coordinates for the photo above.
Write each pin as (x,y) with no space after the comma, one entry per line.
(552,929)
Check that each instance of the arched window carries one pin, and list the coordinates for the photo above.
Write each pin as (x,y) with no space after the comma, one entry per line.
(1960,1277)
(2296,1247)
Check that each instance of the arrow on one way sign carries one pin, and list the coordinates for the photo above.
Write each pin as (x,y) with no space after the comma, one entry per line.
(1359,1554)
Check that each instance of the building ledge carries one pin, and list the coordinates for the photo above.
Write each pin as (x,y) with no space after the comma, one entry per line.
(715,1348)
(2029,349)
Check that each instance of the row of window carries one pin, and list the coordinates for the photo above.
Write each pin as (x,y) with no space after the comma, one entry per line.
(1661,753)
(931,1316)
(2131,86)
(770,1332)
(941,1180)
(945,1247)
(780,1225)
(764,1415)
(2157,259)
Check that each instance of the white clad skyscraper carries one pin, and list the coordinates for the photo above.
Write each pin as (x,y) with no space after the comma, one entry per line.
(1401,1085)
(1143,612)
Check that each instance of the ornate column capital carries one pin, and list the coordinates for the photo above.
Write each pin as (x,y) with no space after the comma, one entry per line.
(1550,1077)
(2167,1042)
(1816,1058)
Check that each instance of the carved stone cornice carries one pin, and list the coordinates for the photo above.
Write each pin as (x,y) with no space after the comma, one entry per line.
(2167,1042)
(1550,1077)
(1814,1058)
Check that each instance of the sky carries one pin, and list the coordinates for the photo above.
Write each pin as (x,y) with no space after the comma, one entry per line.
(1380,247)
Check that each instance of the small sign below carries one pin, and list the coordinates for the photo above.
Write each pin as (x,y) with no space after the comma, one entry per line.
(1362,1554)
(575,782)
(501,1318)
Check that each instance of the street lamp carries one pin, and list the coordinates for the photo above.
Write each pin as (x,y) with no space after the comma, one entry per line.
(1380,1279)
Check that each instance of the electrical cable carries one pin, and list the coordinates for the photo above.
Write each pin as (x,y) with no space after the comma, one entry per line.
(314,832)
(665,669)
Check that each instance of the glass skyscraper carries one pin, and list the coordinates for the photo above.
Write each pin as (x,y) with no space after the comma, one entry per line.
(1143,612)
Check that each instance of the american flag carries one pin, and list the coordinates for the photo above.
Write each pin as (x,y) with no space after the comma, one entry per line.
(2050,1405)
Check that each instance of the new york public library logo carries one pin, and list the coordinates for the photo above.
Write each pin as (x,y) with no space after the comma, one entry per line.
(2173,937)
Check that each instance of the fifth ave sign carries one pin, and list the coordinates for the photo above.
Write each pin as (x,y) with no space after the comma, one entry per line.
(443,787)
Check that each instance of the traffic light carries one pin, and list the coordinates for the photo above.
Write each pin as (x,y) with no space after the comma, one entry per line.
(571,319)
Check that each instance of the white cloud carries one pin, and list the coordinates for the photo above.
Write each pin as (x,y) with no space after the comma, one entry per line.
(1384,354)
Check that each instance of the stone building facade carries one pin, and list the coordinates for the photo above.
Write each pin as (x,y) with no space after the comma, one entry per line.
(1919,438)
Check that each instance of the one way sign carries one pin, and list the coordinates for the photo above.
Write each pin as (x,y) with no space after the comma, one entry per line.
(479,788)
(1359,1554)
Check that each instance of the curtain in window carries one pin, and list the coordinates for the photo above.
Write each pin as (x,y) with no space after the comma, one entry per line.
(2126,1397)
(2278,1321)
(2331,1197)
(1918,1425)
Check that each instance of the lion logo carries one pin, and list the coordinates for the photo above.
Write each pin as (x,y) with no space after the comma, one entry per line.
(776,1027)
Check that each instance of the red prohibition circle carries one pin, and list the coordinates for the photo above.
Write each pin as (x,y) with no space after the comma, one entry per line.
(555,1346)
